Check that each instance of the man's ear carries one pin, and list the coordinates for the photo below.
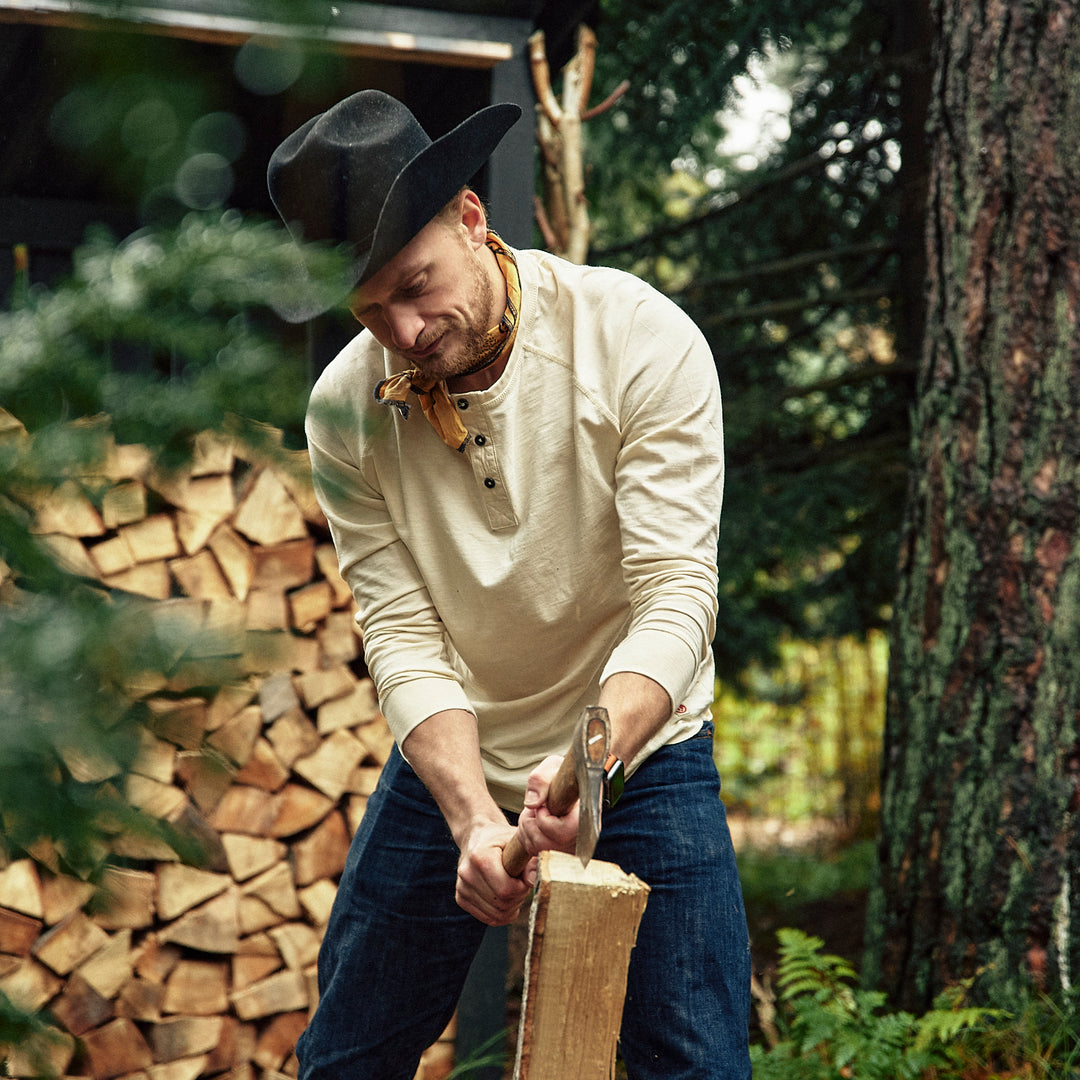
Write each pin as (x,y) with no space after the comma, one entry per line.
(473,218)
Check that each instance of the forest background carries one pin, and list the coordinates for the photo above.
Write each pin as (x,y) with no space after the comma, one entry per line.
(801,253)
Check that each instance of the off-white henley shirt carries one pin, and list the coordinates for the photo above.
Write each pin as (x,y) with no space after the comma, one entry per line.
(574,538)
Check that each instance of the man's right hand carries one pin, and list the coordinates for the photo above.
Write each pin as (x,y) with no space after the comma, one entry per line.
(484,889)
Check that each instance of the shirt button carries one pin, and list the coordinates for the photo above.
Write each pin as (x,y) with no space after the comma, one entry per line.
(480,440)
(489,483)
(462,404)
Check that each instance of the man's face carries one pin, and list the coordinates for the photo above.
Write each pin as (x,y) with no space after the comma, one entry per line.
(432,304)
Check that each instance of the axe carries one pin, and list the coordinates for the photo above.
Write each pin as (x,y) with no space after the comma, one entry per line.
(581,775)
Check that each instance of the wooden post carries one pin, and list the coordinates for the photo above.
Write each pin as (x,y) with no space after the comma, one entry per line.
(582,928)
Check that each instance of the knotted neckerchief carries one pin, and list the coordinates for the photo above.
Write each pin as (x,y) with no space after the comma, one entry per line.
(432,393)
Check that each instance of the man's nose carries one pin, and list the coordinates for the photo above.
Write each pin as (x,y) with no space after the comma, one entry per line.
(405,326)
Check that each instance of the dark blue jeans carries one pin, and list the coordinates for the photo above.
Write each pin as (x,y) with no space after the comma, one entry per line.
(397,948)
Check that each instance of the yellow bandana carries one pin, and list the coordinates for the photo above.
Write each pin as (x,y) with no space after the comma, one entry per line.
(432,394)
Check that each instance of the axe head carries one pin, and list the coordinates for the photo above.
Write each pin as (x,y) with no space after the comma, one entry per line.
(589,749)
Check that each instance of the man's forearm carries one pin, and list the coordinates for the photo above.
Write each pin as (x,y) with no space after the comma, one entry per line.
(444,751)
(637,707)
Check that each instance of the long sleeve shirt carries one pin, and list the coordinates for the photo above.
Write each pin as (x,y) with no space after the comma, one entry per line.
(575,537)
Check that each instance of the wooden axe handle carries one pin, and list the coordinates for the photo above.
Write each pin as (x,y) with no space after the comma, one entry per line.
(562,795)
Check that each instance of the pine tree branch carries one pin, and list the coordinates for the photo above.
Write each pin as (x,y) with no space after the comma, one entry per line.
(779,308)
(811,163)
(789,265)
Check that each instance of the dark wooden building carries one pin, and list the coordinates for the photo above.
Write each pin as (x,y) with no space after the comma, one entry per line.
(104,101)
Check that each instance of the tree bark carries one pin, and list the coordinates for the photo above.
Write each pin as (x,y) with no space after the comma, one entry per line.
(980,854)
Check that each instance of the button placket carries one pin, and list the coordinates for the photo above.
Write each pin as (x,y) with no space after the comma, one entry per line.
(488,473)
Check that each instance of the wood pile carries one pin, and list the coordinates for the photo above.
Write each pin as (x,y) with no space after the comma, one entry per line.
(172,971)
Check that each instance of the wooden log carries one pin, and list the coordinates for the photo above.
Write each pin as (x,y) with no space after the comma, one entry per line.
(354,710)
(69,943)
(123,504)
(28,984)
(251,855)
(111,556)
(88,764)
(148,579)
(80,1008)
(127,461)
(44,1053)
(256,915)
(298,808)
(182,1069)
(18,933)
(70,554)
(197,988)
(284,991)
(236,737)
(66,510)
(378,739)
(235,559)
(179,721)
(267,609)
(126,900)
(227,702)
(213,453)
(151,539)
(278,1039)
(268,514)
(330,768)
(298,944)
(199,575)
(322,853)
(327,561)
(339,638)
(324,684)
(20,888)
(276,888)
(582,928)
(155,759)
(293,736)
(212,927)
(154,798)
(203,495)
(154,959)
(117,1048)
(264,769)
(277,696)
(111,966)
(309,605)
(284,566)
(246,810)
(195,527)
(317,899)
(141,1000)
(248,969)
(233,1050)
(180,888)
(205,778)
(364,779)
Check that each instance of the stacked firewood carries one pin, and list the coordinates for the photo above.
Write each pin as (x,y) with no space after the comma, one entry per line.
(172,971)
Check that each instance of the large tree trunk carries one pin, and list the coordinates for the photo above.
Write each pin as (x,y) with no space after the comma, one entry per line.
(980,847)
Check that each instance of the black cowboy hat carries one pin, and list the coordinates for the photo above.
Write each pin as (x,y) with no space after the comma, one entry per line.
(365,174)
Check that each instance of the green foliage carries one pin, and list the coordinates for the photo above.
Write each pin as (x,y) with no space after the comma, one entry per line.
(784,252)
(832,1028)
(155,341)
(786,879)
(803,740)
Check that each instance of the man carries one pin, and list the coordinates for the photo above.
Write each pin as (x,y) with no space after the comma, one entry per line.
(541,538)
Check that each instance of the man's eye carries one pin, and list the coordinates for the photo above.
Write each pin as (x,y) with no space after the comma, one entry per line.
(415,289)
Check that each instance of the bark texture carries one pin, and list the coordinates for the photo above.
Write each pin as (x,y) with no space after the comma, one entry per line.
(980,869)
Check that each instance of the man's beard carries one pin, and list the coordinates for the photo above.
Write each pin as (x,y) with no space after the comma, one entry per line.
(469,354)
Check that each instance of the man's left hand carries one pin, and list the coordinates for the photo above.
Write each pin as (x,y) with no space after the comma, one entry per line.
(538,828)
